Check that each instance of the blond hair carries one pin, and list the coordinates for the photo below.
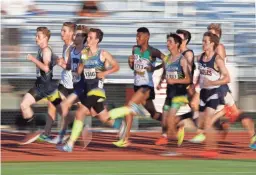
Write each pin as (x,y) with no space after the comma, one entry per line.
(216,27)
(70,25)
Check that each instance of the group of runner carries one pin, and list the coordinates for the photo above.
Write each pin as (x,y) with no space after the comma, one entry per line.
(199,81)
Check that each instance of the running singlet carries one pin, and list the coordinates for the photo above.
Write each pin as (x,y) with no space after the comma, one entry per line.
(174,71)
(75,60)
(93,65)
(141,62)
(193,67)
(44,80)
(208,70)
(66,75)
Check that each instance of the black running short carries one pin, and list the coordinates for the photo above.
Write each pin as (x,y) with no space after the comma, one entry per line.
(95,102)
(146,87)
(209,98)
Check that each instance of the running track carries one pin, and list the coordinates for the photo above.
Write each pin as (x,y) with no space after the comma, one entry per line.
(234,147)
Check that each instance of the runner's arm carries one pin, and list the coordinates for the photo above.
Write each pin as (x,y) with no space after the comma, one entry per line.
(80,67)
(112,61)
(46,60)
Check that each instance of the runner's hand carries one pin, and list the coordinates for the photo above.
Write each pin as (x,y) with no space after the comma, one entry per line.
(101,75)
(29,57)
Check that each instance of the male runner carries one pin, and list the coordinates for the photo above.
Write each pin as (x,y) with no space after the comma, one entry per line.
(45,86)
(212,74)
(189,55)
(93,69)
(66,85)
(142,62)
(230,111)
(72,64)
(177,75)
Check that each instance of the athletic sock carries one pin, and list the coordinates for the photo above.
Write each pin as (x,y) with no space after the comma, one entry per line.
(76,130)
(117,123)
(119,112)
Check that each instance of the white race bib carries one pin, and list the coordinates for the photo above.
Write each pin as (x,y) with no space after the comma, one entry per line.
(140,64)
(100,84)
(75,77)
(141,74)
(138,67)
(172,75)
(90,73)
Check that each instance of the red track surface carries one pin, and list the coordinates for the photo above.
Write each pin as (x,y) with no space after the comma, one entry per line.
(234,147)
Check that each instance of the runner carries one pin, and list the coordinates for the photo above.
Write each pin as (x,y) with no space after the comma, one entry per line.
(93,68)
(189,55)
(72,63)
(45,86)
(177,75)
(230,110)
(212,75)
(66,85)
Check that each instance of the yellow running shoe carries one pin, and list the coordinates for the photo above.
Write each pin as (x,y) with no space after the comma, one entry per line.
(180,135)
(121,143)
(253,140)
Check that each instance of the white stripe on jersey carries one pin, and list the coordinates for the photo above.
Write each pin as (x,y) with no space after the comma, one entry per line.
(66,75)
(213,97)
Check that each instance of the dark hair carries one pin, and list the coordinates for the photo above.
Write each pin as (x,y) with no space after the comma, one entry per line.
(185,33)
(45,31)
(213,38)
(84,30)
(70,25)
(177,38)
(99,33)
(143,30)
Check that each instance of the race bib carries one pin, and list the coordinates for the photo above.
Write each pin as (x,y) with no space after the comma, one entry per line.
(172,75)
(100,84)
(138,67)
(90,74)
(141,74)
(75,77)
(140,64)
(74,67)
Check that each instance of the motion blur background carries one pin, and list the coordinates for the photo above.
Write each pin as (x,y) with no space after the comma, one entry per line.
(119,20)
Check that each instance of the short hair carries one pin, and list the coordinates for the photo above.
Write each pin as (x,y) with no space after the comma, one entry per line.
(84,30)
(213,38)
(45,31)
(143,30)
(70,25)
(216,27)
(185,33)
(99,33)
(177,38)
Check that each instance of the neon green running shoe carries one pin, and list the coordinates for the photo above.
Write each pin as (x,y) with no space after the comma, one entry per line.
(121,143)
(181,135)
(199,138)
